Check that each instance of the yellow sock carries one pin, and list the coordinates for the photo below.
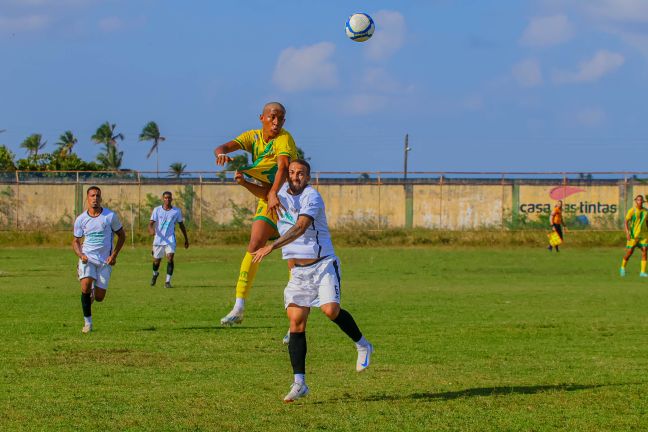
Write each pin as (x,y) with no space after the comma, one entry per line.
(623,263)
(246,276)
(643,266)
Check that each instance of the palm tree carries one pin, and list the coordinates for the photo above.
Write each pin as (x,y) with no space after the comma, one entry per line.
(151,132)
(66,142)
(106,135)
(177,169)
(110,159)
(33,144)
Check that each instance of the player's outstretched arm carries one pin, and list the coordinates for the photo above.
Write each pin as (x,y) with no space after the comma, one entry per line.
(184,233)
(257,190)
(121,239)
(221,152)
(289,236)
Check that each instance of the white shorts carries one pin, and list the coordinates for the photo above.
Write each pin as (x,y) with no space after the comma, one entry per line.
(99,272)
(159,251)
(314,285)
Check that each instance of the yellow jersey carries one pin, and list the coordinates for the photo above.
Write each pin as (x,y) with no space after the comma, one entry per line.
(637,225)
(264,154)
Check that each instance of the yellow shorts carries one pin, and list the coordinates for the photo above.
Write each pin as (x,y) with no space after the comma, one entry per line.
(263,214)
(642,243)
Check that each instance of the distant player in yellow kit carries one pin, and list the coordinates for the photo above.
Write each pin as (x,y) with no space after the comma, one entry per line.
(636,234)
(272,148)
(557,223)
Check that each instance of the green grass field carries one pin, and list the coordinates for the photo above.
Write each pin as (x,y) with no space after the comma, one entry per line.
(466,339)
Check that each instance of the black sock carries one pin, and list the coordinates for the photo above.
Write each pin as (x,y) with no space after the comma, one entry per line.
(170,268)
(297,351)
(86,304)
(156,267)
(348,325)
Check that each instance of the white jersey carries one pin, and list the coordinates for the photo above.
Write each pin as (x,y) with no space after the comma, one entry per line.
(165,221)
(316,241)
(98,233)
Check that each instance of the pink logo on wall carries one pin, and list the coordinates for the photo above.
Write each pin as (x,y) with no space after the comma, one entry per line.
(562,192)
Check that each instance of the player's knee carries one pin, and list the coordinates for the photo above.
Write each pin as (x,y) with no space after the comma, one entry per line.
(99,295)
(331,310)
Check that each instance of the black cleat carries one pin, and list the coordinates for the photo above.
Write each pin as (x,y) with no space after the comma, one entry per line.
(167,285)
(154,279)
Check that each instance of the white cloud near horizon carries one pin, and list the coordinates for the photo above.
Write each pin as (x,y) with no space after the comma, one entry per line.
(306,68)
(23,23)
(547,31)
(389,36)
(603,63)
(527,73)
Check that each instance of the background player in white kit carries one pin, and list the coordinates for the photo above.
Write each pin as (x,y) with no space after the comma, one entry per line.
(97,227)
(162,226)
(315,276)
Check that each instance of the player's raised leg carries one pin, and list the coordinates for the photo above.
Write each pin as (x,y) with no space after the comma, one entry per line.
(261,232)
(347,324)
(298,316)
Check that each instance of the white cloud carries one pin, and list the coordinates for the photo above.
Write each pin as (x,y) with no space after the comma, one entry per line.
(306,68)
(24,23)
(603,63)
(110,24)
(389,36)
(380,80)
(547,31)
(617,10)
(591,116)
(364,103)
(527,73)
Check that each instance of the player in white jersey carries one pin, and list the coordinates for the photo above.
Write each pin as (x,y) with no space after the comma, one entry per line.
(97,226)
(162,226)
(315,276)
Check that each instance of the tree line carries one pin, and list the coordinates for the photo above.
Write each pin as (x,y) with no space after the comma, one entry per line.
(63,158)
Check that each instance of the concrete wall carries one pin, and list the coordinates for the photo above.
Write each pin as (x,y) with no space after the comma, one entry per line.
(451,206)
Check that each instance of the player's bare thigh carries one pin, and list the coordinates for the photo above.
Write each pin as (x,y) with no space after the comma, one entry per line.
(261,233)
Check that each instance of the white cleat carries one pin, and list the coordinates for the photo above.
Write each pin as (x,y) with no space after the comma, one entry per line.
(297,391)
(234,317)
(286,338)
(86,329)
(364,357)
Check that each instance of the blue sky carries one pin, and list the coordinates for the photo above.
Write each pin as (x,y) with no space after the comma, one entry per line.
(494,85)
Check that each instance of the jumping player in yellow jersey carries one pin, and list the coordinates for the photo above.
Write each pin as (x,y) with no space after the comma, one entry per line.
(636,234)
(272,148)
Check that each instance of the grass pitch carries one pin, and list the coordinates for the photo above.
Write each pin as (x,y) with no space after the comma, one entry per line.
(466,339)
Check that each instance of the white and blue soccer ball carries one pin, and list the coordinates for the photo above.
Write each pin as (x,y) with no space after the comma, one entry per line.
(360,27)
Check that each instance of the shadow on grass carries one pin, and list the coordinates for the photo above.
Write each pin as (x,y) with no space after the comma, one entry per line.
(219,328)
(490,391)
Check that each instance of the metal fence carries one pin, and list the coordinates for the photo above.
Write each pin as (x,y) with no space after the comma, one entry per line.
(50,200)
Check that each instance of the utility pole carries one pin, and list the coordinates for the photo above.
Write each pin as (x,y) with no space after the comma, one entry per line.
(406,149)
(409,193)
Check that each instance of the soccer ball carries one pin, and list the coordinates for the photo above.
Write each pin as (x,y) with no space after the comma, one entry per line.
(360,27)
